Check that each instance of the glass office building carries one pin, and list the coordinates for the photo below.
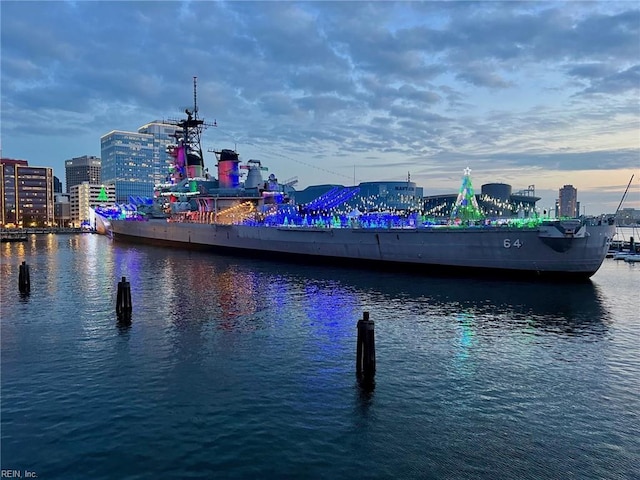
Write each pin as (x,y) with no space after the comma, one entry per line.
(136,161)
(127,163)
(162,137)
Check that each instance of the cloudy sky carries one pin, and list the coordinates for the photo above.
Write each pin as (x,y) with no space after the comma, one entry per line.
(526,93)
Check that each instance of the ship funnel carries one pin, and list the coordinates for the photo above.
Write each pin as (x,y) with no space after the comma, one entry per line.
(194,165)
(228,169)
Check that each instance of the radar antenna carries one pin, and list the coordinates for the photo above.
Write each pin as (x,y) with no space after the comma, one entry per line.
(195,96)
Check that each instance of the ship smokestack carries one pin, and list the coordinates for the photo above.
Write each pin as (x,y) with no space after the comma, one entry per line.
(228,169)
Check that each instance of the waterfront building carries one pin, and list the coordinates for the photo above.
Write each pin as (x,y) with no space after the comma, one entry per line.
(86,196)
(127,163)
(628,216)
(568,202)
(62,209)
(163,135)
(404,195)
(82,169)
(26,194)
(136,161)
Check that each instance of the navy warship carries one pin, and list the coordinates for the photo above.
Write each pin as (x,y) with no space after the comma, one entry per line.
(257,216)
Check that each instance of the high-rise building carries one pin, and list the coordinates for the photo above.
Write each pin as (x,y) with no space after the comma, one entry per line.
(568,202)
(26,194)
(163,135)
(9,187)
(136,161)
(127,163)
(82,169)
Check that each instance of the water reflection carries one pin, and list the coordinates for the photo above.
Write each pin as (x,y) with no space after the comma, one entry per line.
(240,353)
(24,297)
(233,296)
(124,327)
(466,340)
(240,294)
(565,309)
(366,387)
(187,289)
(10,250)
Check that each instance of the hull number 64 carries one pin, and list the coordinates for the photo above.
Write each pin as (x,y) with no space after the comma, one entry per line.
(508,243)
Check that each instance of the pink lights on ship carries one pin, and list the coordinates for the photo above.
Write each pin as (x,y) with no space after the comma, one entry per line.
(185,165)
(179,162)
(228,169)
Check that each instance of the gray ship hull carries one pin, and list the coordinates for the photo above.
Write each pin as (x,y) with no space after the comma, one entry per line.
(542,251)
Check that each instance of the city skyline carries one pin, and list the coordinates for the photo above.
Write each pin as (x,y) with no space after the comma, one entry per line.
(542,94)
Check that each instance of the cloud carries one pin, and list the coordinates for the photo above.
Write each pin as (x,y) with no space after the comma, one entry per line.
(619,82)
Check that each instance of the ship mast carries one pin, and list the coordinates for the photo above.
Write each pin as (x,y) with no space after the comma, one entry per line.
(192,126)
(200,123)
(189,138)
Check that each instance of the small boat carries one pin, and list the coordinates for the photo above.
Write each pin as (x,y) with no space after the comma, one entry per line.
(625,254)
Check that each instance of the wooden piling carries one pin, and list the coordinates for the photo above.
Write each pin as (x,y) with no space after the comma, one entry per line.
(366,348)
(24,279)
(123,302)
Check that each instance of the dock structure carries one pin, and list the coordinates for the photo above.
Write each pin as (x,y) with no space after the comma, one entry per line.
(22,234)
(9,236)
(628,246)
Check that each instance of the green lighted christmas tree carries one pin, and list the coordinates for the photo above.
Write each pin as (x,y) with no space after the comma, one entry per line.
(466,207)
(102,196)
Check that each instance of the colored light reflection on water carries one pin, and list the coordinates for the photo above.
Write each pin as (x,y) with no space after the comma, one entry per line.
(239,368)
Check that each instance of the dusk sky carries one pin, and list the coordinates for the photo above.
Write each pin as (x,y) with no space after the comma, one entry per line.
(525,93)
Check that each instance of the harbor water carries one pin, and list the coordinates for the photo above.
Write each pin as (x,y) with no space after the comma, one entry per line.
(240,368)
